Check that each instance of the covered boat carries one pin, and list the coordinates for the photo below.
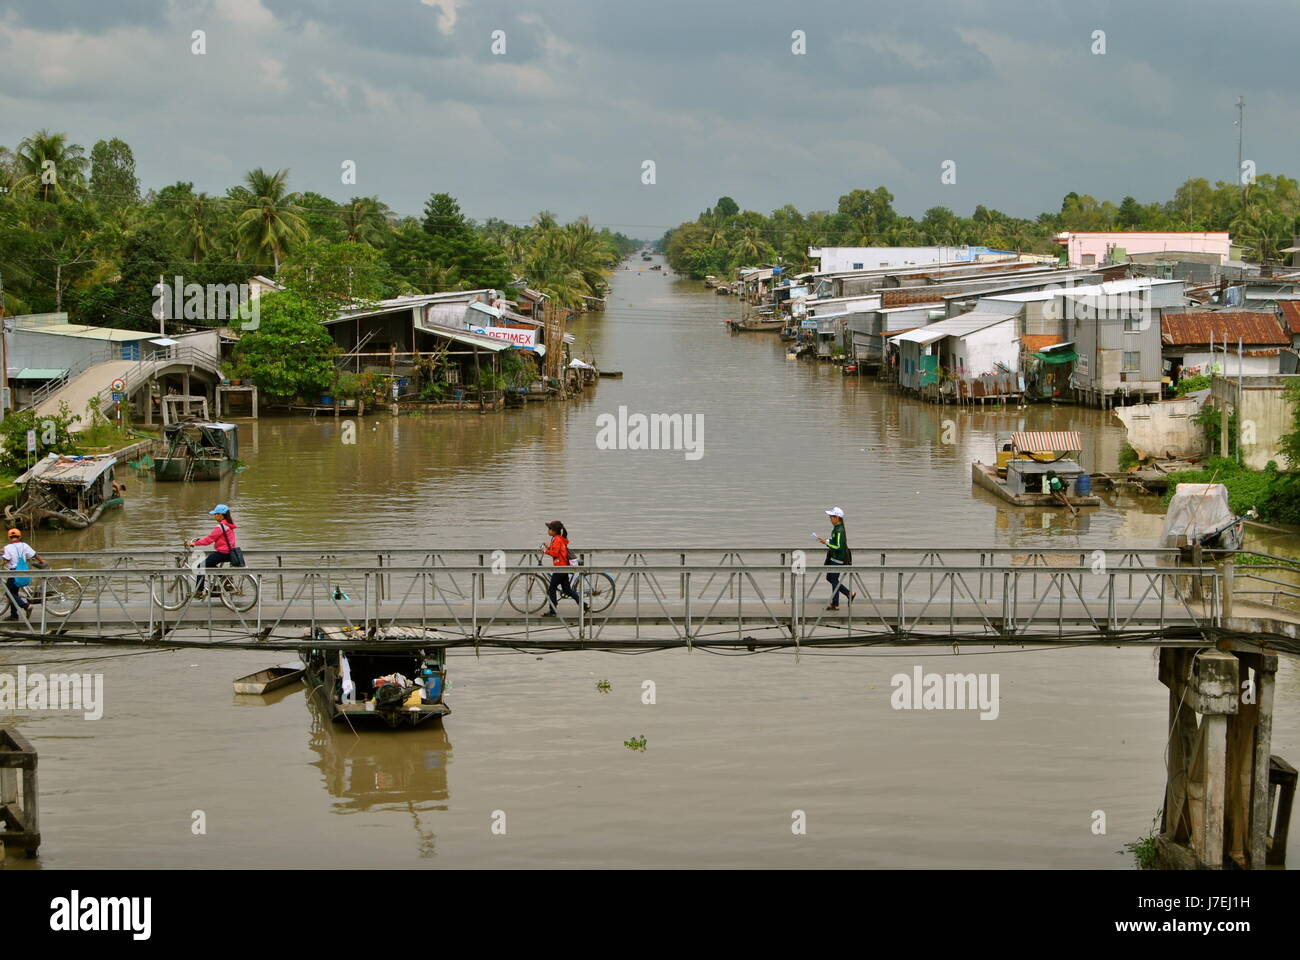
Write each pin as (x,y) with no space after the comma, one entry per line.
(1025,462)
(1199,515)
(402,686)
(197,450)
(66,491)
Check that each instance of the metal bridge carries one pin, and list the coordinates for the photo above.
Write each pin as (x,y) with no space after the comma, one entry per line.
(658,598)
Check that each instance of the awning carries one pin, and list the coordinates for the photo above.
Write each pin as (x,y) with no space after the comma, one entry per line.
(1044,442)
(580,365)
(467,338)
(1058,356)
(39,373)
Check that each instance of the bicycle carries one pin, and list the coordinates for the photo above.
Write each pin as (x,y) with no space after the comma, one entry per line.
(59,595)
(526,592)
(238,591)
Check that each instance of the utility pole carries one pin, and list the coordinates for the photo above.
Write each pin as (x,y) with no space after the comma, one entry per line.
(1241,133)
(4,354)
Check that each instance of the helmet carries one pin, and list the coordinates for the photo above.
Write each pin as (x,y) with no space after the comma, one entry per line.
(15,532)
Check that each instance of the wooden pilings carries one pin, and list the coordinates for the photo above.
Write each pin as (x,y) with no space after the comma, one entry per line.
(19,808)
(1219,808)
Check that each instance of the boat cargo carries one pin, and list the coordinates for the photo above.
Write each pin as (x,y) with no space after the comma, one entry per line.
(399,687)
(197,450)
(66,492)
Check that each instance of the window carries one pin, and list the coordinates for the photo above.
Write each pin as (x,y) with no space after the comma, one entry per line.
(1132,324)
(1132,360)
(857,266)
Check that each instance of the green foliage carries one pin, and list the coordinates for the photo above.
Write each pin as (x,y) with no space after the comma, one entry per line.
(516,370)
(1128,457)
(335,276)
(636,743)
(1144,852)
(1210,420)
(371,388)
(434,391)
(604,685)
(1289,445)
(290,354)
(53,435)
(1276,496)
(1192,384)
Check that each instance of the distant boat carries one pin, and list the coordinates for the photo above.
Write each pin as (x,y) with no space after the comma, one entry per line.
(764,326)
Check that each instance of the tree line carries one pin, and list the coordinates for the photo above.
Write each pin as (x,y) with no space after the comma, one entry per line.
(77,234)
(1262,216)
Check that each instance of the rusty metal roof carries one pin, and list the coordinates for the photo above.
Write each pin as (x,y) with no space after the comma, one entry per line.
(1291,315)
(1207,325)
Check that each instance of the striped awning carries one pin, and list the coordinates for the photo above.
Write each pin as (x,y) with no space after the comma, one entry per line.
(1046,442)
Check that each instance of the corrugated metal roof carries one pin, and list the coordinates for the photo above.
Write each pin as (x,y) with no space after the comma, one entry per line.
(1039,441)
(38,373)
(959,326)
(1198,328)
(75,471)
(1036,341)
(1291,315)
(465,337)
(82,332)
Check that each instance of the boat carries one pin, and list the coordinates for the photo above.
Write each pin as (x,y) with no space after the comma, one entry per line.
(197,450)
(402,686)
(1199,515)
(755,325)
(66,492)
(1023,462)
(264,681)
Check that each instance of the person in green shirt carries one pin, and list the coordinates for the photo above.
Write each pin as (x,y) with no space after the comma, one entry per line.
(837,554)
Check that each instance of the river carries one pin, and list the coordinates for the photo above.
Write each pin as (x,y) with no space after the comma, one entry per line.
(735,745)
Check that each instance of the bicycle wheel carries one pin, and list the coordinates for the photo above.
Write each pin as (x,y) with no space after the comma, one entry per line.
(61,595)
(527,592)
(239,591)
(172,591)
(597,590)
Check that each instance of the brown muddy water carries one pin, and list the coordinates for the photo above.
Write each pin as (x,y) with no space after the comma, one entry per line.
(735,745)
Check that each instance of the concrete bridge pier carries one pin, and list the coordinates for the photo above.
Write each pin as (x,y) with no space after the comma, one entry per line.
(1219,802)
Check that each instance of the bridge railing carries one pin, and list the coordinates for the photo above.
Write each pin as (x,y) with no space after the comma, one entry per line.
(681,602)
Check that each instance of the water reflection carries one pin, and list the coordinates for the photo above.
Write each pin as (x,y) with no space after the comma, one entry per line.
(384,770)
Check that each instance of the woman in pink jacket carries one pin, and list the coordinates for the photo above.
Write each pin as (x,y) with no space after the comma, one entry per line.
(221,539)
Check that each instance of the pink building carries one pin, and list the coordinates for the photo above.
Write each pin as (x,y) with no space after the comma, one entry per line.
(1090,249)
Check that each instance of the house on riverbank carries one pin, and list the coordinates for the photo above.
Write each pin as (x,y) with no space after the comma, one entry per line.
(1209,341)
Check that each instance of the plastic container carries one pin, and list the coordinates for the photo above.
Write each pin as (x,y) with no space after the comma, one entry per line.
(1083,485)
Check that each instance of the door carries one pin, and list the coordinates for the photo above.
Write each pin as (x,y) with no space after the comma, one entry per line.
(131,351)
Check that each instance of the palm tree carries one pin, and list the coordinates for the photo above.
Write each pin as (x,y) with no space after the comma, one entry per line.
(364,220)
(196,225)
(49,167)
(271,220)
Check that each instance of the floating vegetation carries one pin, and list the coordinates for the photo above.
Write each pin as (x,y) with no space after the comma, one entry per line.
(636,743)
(144,464)
(240,466)
(603,686)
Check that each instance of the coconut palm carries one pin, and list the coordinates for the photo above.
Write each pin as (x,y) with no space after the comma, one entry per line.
(271,220)
(364,220)
(49,167)
(197,225)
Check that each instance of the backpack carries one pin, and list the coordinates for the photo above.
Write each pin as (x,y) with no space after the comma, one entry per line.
(21,564)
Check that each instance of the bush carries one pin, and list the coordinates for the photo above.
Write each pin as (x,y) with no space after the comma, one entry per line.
(1192,384)
(53,435)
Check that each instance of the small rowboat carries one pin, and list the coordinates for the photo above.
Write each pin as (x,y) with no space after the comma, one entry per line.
(264,681)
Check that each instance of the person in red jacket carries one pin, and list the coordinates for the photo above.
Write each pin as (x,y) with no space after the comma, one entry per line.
(558,551)
(221,539)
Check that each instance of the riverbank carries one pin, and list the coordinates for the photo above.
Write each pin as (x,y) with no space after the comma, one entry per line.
(1274,495)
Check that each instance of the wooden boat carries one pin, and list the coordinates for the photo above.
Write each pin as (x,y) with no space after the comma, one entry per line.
(197,450)
(380,683)
(66,492)
(264,681)
(755,325)
(1024,483)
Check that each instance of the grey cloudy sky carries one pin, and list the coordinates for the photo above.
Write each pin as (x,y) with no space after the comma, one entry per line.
(711,92)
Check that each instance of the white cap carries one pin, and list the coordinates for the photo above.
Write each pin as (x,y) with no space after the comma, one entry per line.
(835,512)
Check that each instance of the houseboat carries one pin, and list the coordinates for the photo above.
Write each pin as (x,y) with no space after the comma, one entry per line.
(197,450)
(1023,464)
(402,686)
(66,492)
